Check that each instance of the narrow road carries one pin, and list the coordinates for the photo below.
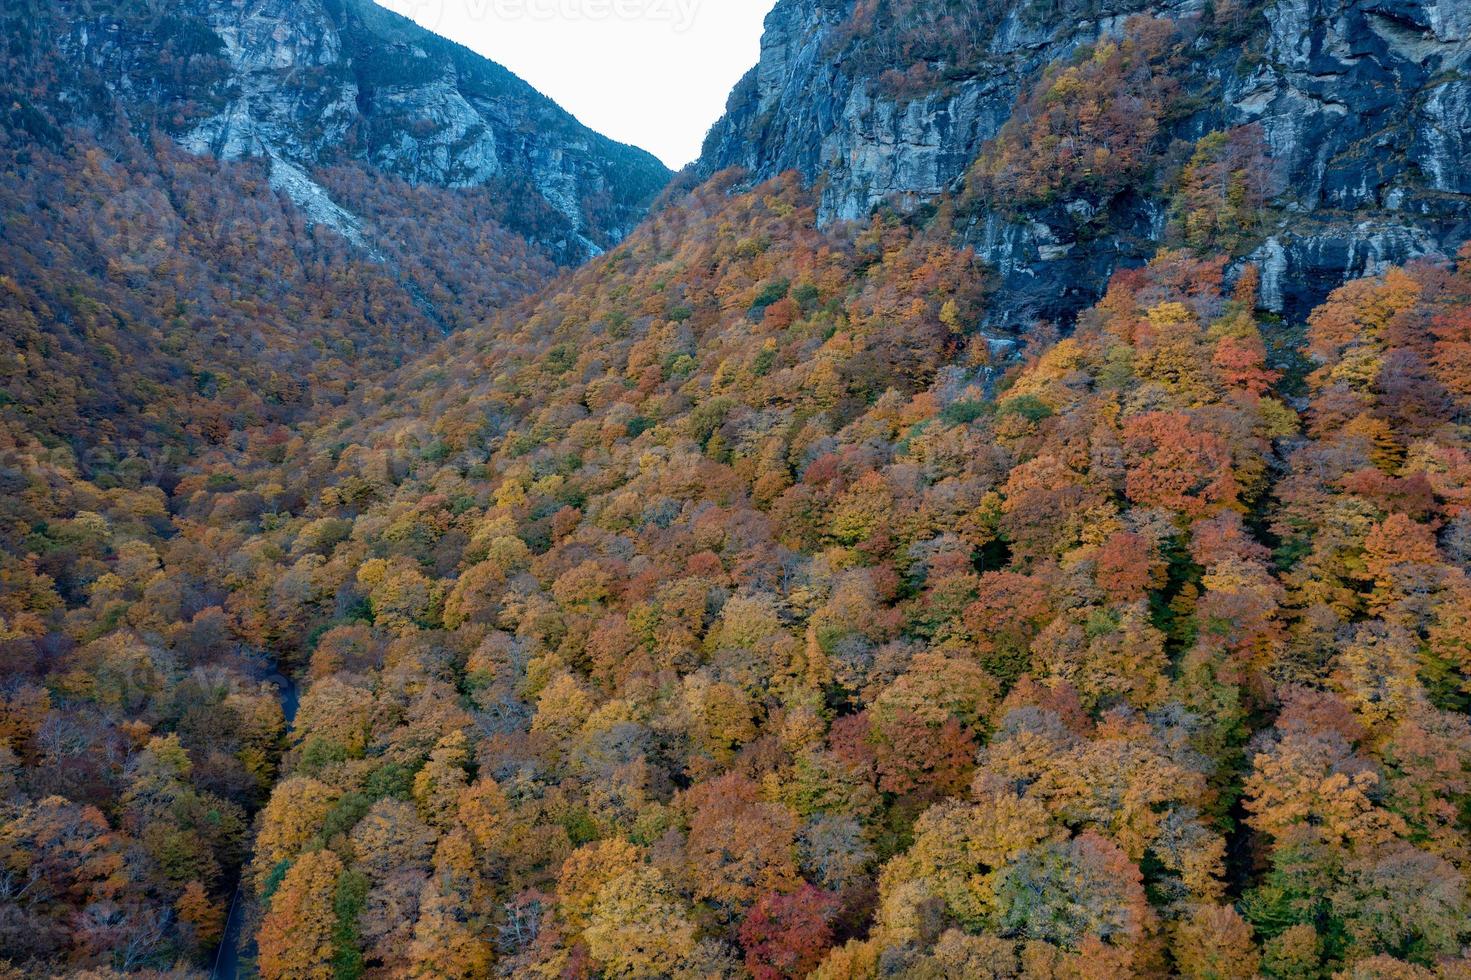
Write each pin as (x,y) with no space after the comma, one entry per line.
(232,943)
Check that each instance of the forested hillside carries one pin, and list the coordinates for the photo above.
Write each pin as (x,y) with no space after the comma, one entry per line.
(221,216)
(775,622)
(741,604)
(1358,109)
(158,303)
(737,612)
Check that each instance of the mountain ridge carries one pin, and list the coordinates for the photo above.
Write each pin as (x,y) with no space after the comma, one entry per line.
(323,82)
(221,215)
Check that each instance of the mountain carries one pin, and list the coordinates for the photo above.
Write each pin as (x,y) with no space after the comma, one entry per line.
(771,596)
(738,610)
(221,215)
(1359,112)
(312,83)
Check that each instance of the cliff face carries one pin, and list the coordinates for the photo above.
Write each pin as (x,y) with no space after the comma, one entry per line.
(171,174)
(818,103)
(1364,107)
(312,83)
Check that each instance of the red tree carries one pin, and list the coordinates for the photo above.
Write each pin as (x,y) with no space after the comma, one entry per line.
(787,935)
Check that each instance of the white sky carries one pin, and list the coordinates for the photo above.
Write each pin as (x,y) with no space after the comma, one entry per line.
(654,73)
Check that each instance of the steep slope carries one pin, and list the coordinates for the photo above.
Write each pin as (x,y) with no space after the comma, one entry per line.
(1361,107)
(733,612)
(155,302)
(218,216)
(322,82)
(743,605)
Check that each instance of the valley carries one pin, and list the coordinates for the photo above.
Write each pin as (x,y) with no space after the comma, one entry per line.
(1004,511)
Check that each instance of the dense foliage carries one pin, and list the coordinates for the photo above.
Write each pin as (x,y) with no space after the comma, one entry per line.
(734,611)
(157,301)
(735,607)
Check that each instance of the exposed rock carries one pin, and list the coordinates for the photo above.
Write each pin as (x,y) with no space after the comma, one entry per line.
(317,204)
(1365,106)
(310,83)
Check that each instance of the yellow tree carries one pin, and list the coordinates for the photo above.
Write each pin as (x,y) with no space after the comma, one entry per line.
(637,927)
(296,935)
(957,855)
(291,818)
(563,707)
(1215,943)
(584,874)
(449,938)
(204,917)
(438,785)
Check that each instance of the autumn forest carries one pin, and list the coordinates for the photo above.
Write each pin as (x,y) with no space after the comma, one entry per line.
(739,603)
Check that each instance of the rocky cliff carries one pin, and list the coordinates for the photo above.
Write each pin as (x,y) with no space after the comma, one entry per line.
(1364,107)
(217,215)
(313,83)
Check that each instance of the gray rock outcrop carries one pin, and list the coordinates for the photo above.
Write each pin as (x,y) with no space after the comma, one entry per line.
(1365,107)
